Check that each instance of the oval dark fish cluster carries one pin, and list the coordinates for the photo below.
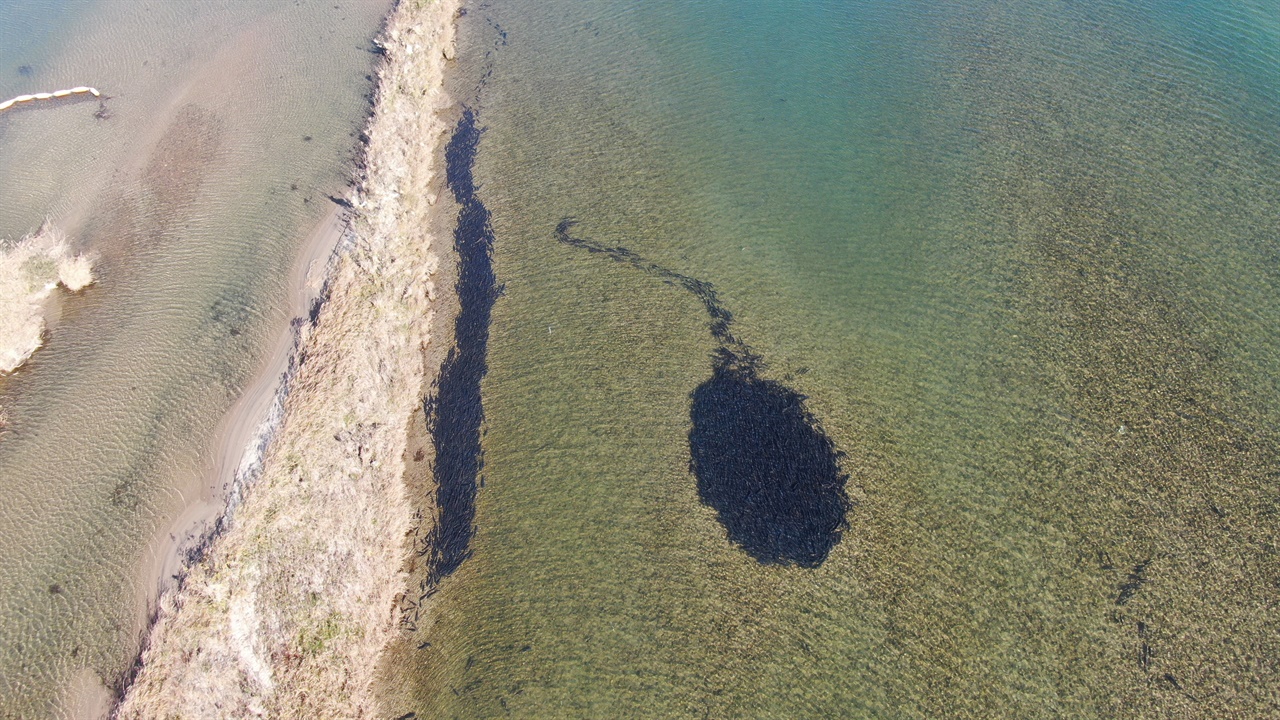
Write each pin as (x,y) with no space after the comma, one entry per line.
(762,462)
(766,467)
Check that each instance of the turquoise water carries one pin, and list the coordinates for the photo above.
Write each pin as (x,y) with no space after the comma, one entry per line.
(1021,258)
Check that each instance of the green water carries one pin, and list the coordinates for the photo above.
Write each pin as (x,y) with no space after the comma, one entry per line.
(1021,257)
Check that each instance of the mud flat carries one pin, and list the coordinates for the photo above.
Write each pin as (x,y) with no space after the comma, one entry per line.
(288,609)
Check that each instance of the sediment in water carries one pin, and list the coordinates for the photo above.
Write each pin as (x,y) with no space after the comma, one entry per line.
(288,608)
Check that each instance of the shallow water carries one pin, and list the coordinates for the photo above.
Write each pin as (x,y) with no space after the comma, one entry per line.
(1021,259)
(228,124)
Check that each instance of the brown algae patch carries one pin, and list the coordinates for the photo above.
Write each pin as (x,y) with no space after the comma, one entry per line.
(290,607)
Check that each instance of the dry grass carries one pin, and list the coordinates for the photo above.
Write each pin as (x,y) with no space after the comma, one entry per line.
(30,269)
(292,605)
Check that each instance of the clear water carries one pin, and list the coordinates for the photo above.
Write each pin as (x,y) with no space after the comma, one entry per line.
(229,122)
(1021,258)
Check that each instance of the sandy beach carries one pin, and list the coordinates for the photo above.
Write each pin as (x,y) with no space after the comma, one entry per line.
(248,422)
(292,603)
(234,451)
(227,125)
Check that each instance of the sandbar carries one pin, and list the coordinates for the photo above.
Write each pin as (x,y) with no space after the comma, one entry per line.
(289,606)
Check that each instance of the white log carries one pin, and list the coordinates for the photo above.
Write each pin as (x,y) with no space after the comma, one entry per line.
(49,96)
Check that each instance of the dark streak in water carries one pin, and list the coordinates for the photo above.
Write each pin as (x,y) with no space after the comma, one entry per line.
(454,411)
(760,459)
(1137,578)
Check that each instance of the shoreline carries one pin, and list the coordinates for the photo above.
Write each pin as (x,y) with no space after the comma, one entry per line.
(240,439)
(247,428)
(232,558)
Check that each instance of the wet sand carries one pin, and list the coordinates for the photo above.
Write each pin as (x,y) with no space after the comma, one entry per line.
(236,443)
(228,125)
(175,149)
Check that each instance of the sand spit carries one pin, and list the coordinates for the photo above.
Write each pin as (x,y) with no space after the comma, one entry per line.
(290,607)
(30,270)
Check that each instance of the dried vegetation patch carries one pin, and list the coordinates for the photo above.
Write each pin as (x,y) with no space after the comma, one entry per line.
(290,607)
(30,270)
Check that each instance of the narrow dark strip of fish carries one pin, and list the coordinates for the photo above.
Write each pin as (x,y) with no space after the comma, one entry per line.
(454,410)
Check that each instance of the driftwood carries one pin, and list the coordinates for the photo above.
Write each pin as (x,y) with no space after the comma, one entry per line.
(50,96)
